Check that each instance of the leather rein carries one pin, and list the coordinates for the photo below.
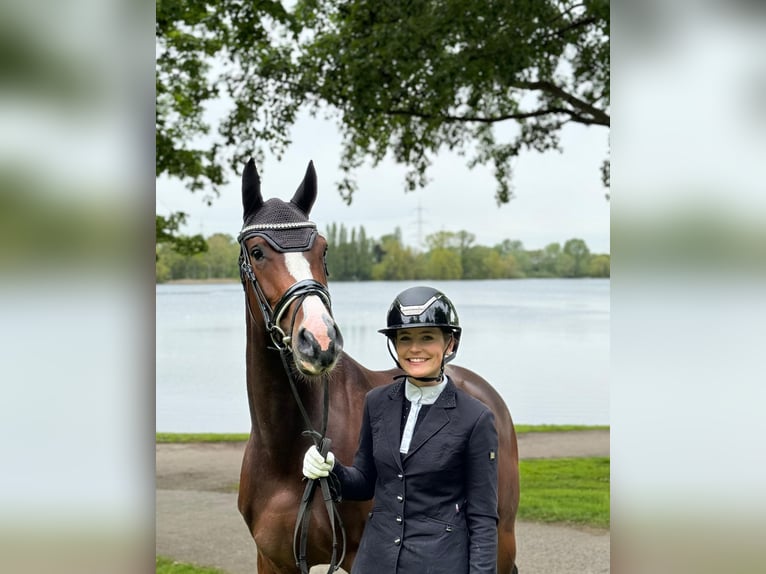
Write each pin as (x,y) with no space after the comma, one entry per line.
(282,342)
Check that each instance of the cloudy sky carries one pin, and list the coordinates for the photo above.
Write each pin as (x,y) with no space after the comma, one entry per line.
(559,196)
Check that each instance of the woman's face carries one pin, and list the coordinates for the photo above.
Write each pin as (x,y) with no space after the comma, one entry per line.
(420,350)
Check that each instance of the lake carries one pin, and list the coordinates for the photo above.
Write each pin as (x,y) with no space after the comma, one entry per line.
(542,343)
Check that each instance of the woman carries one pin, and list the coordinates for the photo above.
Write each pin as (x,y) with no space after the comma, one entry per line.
(426,455)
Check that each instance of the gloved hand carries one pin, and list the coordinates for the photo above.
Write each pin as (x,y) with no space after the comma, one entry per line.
(313,464)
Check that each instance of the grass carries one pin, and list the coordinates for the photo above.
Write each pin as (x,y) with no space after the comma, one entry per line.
(520,429)
(568,490)
(170,566)
(167,437)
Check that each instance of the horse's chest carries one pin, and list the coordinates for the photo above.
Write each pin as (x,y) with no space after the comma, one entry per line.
(272,498)
(274,508)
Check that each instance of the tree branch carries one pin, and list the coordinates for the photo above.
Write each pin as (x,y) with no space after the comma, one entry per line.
(599,116)
(479,119)
(573,116)
(573,25)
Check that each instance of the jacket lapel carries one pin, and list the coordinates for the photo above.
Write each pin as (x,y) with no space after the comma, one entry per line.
(391,420)
(436,418)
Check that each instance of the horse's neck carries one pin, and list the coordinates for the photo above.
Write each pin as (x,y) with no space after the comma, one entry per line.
(276,418)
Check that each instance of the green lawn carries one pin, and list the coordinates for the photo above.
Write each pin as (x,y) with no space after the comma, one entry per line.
(170,437)
(169,566)
(570,490)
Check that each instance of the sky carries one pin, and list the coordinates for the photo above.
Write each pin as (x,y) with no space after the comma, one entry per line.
(559,196)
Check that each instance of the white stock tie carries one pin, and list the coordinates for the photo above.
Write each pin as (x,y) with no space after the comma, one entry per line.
(418,396)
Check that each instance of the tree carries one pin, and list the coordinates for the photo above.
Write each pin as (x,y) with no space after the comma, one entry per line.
(443,264)
(219,260)
(480,262)
(599,266)
(170,264)
(564,265)
(517,255)
(349,260)
(206,50)
(365,256)
(413,78)
(222,256)
(167,233)
(551,265)
(398,261)
(580,254)
(409,79)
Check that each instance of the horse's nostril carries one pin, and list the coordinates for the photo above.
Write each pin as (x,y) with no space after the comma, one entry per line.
(338,339)
(307,346)
(305,342)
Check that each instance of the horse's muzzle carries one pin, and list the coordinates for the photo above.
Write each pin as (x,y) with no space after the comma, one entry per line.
(313,358)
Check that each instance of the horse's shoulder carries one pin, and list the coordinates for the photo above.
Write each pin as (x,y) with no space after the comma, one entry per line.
(468,380)
(359,374)
(479,388)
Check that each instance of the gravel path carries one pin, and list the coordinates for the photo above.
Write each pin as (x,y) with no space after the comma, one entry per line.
(197,520)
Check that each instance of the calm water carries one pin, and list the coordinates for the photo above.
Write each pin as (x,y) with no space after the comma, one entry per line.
(543,344)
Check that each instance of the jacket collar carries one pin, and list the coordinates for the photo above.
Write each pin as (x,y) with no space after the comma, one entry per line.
(436,418)
(446,399)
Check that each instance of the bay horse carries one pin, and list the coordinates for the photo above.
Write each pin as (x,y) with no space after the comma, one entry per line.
(294,351)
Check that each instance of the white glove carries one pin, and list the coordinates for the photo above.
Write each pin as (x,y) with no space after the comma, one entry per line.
(313,464)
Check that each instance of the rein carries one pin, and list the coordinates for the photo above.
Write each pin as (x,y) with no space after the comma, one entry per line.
(283,343)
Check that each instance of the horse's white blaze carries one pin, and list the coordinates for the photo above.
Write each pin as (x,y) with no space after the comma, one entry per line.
(315,316)
(297,266)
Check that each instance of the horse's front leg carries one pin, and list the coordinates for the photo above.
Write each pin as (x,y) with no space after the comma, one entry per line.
(266,566)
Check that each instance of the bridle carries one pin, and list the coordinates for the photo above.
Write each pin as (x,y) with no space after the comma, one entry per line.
(282,341)
(297,292)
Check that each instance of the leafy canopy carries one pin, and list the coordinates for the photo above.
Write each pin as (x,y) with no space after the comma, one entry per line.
(403,78)
(413,78)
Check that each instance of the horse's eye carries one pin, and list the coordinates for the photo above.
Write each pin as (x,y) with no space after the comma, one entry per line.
(257,253)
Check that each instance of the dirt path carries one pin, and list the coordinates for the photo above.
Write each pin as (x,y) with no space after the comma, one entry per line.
(197,520)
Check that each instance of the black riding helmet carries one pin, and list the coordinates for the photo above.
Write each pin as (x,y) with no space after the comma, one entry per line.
(423,307)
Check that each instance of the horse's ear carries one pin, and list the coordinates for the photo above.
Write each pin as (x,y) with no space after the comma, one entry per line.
(306,193)
(251,189)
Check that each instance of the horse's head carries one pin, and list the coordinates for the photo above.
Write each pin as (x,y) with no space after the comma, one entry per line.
(284,274)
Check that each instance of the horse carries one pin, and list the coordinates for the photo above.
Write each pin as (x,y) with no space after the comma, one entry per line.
(294,351)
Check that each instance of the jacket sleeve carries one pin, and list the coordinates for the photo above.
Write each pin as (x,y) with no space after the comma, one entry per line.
(358,481)
(481,495)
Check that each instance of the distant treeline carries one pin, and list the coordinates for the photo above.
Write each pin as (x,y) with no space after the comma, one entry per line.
(352,256)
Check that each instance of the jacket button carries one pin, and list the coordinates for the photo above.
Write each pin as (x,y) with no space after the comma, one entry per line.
(398,541)
(399,519)
(400,476)
(399,497)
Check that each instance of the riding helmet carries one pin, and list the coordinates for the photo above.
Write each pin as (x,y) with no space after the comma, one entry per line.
(423,307)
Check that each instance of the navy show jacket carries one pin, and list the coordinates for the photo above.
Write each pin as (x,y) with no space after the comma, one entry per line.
(435,508)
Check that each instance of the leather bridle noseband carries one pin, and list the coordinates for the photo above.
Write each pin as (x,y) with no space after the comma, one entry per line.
(272,319)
